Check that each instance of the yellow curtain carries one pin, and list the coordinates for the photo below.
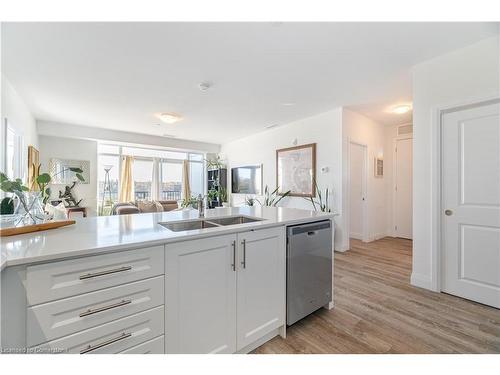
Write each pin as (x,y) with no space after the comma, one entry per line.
(186,189)
(126,180)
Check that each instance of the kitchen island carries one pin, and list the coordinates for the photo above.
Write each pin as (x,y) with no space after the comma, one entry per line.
(150,283)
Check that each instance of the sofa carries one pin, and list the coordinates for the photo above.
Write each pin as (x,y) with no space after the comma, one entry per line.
(138,207)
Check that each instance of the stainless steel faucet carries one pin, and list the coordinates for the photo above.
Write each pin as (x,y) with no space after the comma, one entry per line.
(201,206)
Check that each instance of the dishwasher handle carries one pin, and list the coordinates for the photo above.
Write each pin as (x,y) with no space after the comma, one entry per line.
(311,229)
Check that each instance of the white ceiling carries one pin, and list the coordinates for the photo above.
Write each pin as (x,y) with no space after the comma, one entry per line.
(118,75)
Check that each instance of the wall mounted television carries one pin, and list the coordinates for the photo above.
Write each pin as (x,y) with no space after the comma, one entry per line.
(246,179)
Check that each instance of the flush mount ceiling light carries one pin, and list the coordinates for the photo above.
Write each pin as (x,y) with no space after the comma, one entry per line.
(288,104)
(170,117)
(400,109)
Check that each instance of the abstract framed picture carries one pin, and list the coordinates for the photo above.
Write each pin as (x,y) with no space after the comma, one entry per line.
(379,167)
(33,166)
(296,170)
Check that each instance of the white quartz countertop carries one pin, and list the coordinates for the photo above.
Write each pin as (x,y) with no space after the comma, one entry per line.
(94,235)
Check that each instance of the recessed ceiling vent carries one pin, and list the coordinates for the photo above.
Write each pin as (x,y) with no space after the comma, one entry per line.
(405,129)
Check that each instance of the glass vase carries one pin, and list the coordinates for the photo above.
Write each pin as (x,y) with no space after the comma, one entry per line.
(30,208)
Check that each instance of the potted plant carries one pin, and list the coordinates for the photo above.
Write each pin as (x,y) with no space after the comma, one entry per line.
(250,201)
(223,196)
(322,202)
(189,202)
(216,163)
(28,208)
(271,199)
(212,196)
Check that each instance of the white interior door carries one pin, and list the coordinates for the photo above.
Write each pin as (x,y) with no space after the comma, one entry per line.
(403,211)
(471,203)
(357,196)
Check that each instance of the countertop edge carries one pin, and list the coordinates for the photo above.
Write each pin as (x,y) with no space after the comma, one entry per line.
(5,263)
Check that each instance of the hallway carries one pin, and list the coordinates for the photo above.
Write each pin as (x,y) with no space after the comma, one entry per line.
(378,311)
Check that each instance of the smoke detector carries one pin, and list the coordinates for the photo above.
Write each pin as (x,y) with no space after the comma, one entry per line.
(204,86)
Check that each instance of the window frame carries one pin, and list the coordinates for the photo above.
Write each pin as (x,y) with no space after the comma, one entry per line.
(161,160)
(19,167)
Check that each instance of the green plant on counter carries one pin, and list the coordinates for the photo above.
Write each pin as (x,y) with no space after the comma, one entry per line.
(322,202)
(7,206)
(16,188)
(271,199)
(250,201)
(189,202)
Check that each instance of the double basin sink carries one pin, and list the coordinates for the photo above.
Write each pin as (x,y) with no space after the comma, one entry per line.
(179,226)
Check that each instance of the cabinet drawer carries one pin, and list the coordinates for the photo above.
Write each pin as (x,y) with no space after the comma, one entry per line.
(155,346)
(51,320)
(52,281)
(110,338)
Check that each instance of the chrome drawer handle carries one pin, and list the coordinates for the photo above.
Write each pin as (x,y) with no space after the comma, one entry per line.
(109,307)
(107,272)
(90,348)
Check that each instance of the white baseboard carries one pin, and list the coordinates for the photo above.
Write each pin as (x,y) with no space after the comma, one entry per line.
(377,236)
(421,281)
(356,236)
(342,249)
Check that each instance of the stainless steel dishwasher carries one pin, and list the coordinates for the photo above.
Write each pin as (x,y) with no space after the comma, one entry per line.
(309,269)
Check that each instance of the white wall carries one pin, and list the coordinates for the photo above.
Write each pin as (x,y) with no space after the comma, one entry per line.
(78,149)
(19,116)
(325,130)
(361,129)
(467,75)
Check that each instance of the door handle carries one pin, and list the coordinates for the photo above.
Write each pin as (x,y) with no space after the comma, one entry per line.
(448,212)
(244,262)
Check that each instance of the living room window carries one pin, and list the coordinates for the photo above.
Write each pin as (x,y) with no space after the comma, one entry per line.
(142,175)
(171,180)
(152,169)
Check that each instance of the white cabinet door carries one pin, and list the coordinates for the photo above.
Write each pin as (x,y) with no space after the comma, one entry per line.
(200,297)
(261,284)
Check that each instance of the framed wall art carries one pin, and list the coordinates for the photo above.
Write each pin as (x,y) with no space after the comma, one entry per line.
(33,166)
(379,167)
(296,170)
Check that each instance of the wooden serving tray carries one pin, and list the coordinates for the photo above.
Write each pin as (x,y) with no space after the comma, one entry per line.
(4,232)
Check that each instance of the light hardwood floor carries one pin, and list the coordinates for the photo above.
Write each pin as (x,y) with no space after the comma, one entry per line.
(378,311)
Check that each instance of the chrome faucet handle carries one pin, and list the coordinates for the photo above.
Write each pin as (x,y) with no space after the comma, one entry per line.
(201,205)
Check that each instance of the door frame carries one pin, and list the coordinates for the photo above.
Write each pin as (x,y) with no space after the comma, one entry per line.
(434,281)
(394,179)
(365,210)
